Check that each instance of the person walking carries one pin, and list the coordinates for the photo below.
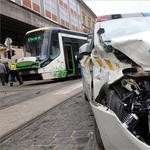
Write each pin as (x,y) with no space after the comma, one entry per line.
(8,72)
(14,73)
(2,73)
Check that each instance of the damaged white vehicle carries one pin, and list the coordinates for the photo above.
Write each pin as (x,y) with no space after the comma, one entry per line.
(116,79)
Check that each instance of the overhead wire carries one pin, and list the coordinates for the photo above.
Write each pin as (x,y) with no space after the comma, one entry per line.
(95,7)
(138,6)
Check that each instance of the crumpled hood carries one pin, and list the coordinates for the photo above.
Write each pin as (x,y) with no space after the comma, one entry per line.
(136,47)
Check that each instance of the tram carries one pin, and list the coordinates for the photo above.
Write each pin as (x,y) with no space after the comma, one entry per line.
(50,53)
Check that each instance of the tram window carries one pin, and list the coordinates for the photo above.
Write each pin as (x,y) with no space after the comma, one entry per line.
(55,50)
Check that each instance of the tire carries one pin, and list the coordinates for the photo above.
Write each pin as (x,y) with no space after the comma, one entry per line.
(98,137)
(85,97)
(103,98)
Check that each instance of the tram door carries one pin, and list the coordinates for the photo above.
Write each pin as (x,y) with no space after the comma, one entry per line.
(69,57)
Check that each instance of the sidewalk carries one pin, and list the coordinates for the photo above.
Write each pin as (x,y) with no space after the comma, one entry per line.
(18,115)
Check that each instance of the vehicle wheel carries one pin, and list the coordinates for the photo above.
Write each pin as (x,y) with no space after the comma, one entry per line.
(98,137)
(103,98)
(85,97)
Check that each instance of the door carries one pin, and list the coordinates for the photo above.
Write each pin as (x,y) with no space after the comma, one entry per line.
(69,59)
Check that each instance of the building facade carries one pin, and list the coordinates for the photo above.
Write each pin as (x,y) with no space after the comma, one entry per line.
(19,16)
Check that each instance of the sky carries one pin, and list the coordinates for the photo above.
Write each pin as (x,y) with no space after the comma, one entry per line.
(100,7)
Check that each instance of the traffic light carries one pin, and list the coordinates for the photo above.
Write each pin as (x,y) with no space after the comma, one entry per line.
(13,52)
(10,53)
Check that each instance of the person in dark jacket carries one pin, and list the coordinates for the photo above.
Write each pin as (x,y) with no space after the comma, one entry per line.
(8,72)
(2,73)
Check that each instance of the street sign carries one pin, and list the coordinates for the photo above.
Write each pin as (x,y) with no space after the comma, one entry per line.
(8,42)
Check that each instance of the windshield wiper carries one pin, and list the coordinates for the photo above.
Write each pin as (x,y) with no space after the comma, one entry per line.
(107,41)
(38,58)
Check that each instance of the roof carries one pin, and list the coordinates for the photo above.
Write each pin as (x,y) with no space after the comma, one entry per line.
(81,1)
(62,30)
(38,29)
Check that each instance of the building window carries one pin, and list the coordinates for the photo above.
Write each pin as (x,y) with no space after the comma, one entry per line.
(47,9)
(32,4)
(79,12)
(73,8)
(54,11)
(55,50)
(37,2)
(64,4)
(36,5)
(26,3)
(83,19)
(50,9)
(64,17)
(67,18)
(93,23)
(80,25)
(74,23)
(89,23)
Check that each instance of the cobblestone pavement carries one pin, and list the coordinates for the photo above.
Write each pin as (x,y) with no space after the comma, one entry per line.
(69,126)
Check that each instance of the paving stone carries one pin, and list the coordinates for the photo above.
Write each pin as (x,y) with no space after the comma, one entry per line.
(60,123)
(85,122)
(69,126)
(31,135)
(45,148)
(26,143)
(85,147)
(92,141)
(63,140)
(88,127)
(97,147)
(8,148)
(58,128)
(73,122)
(65,147)
(80,140)
(64,134)
(87,110)
(80,133)
(48,134)
(28,148)
(75,127)
(47,124)
(45,141)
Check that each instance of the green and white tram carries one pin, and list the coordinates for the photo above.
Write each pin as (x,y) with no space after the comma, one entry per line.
(50,53)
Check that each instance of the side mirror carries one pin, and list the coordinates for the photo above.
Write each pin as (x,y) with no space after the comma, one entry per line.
(85,49)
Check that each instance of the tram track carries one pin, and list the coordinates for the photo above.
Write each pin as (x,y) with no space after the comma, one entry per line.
(28,123)
(20,96)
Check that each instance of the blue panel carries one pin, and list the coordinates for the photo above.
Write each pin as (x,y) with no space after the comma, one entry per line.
(146,14)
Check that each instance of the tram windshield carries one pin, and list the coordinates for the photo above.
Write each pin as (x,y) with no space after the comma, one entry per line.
(36,45)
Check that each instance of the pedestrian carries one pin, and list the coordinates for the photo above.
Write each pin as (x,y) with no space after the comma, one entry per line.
(8,72)
(2,73)
(14,73)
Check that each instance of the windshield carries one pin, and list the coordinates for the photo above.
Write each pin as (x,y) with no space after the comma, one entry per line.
(123,27)
(36,45)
